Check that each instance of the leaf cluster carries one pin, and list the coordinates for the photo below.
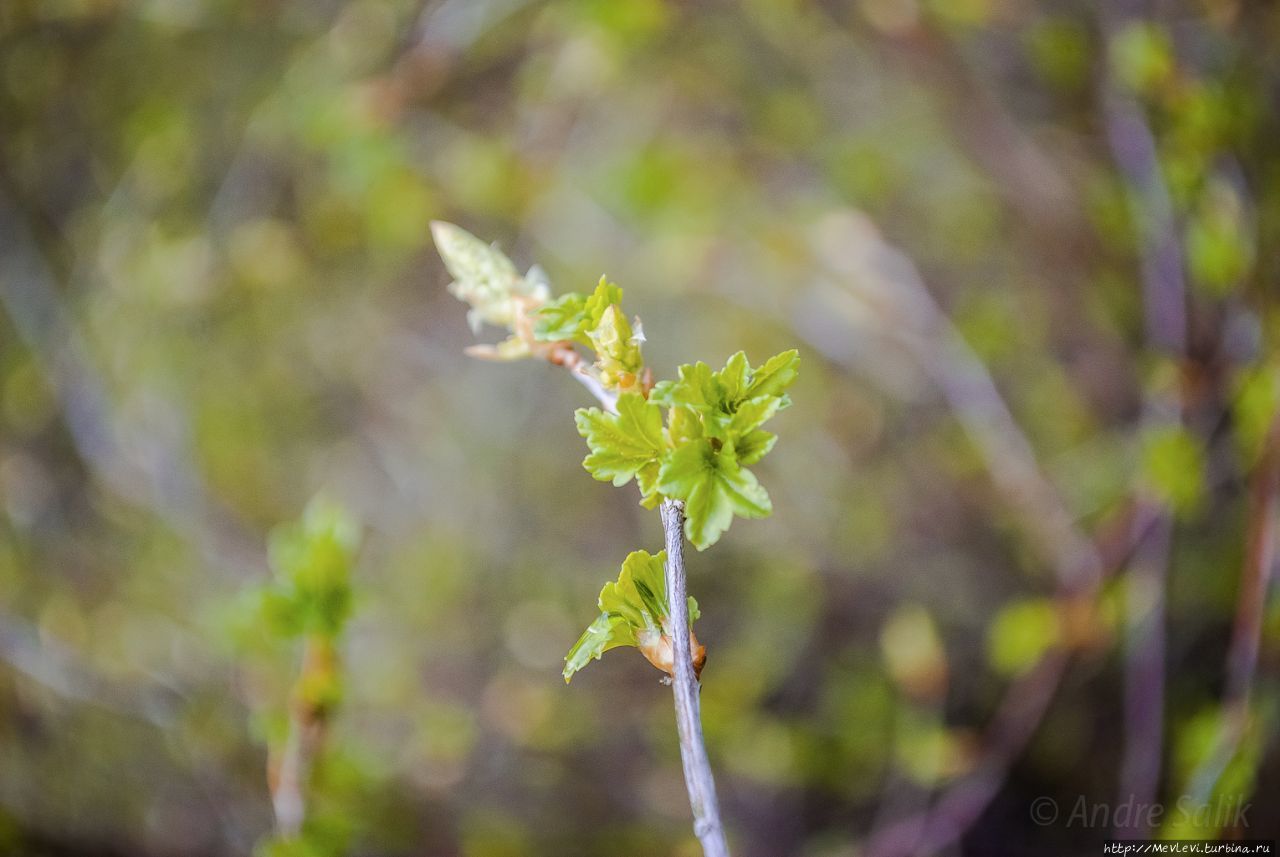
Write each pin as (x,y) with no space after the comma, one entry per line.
(312,560)
(598,322)
(701,455)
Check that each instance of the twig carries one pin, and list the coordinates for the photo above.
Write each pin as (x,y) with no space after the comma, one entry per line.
(1133,148)
(307,724)
(889,299)
(1144,670)
(693,752)
(1242,656)
(63,671)
(960,805)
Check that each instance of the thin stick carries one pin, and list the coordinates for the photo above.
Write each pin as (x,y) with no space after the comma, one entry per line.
(1164,300)
(290,774)
(1242,657)
(693,753)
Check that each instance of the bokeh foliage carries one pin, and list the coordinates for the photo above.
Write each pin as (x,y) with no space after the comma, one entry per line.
(219,298)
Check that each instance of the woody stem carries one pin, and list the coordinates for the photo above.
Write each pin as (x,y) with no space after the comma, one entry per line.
(693,752)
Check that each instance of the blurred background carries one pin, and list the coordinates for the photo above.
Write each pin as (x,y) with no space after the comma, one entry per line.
(1025,499)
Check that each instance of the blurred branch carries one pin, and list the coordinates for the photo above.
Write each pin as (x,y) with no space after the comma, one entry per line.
(308,724)
(1242,656)
(887,298)
(443,32)
(1144,670)
(1028,180)
(693,752)
(1133,149)
(1160,257)
(960,805)
(153,472)
(65,673)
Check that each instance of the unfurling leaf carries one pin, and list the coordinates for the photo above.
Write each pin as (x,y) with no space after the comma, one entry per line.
(634,612)
(713,433)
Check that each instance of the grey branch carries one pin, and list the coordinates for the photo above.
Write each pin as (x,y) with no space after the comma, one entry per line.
(693,752)
(1134,150)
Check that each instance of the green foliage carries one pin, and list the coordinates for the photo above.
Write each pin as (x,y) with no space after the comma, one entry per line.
(1254,406)
(626,445)
(633,611)
(312,561)
(713,433)
(1020,635)
(231,197)
(714,418)
(1173,467)
(1219,250)
(1141,56)
(573,316)
(714,488)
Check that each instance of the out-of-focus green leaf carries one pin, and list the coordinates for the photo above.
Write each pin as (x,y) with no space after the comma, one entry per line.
(1141,56)
(1020,635)
(312,560)
(1060,51)
(1173,467)
(1254,408)
(913,652)
(1218,250)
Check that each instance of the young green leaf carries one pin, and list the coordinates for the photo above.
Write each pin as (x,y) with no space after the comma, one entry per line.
(714,488)
(752,414)
(754,446)
(605,633)
(573,316)
(562,319)
(732,380)
(735,400)
(775,376)
(625,445)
